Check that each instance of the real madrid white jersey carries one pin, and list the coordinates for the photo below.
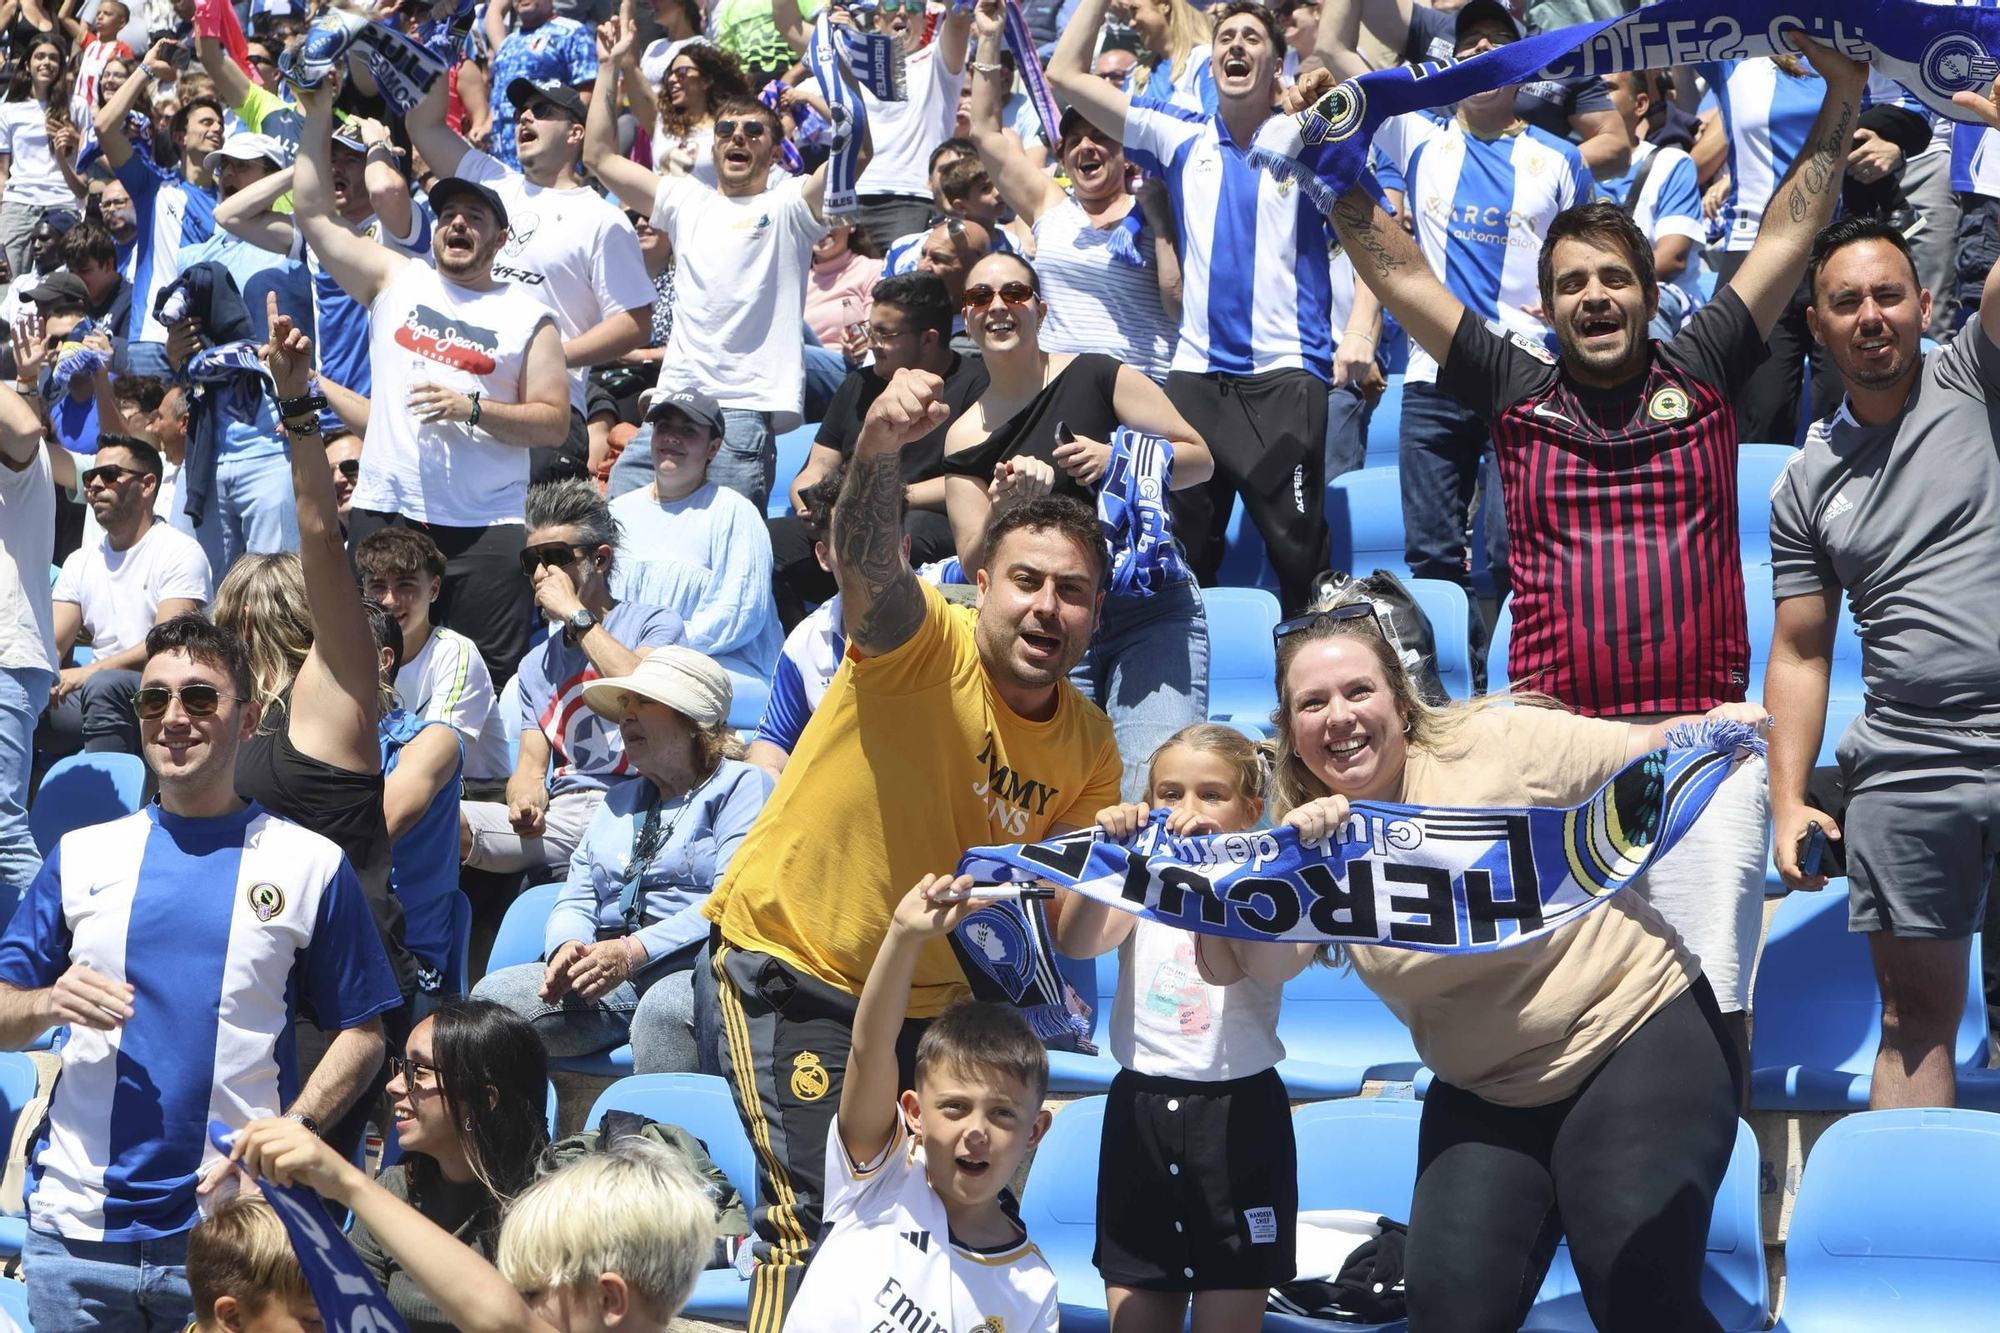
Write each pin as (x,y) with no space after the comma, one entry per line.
(887,1262)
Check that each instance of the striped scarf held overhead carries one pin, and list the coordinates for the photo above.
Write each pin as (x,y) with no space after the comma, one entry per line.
(1021,46)
(874,60)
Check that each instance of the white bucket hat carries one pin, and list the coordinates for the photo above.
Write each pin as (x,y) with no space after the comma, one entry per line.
(684,680)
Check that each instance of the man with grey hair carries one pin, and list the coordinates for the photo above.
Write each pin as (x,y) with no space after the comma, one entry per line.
(572,542)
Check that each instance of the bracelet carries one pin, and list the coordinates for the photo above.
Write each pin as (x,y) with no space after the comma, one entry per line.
(147,70)
(1350,333)
(305,404)
(477,411)
(978,68)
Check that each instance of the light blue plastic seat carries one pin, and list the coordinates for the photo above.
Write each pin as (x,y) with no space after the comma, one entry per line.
(509,706)
(702,1105)
(1895,1226)
(1734,1285)
(1385,427)
(1819,1014)
(1242,660)
(1338,1035)
(1757,469)
(1364,518)
(1096,979)
(14,1300)
(1497,639)
(18,1084)
(1450,614)
(746,704)
(519,940)
(793,448)
(458,967)
(94,787)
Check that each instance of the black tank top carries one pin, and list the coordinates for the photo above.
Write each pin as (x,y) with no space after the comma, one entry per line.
(336,803)
(1079,397)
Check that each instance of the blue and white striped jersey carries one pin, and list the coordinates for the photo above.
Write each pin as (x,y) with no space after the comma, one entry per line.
(222,926)
(1670,204)
(1975,150)
(1193,91)
(1254,250)
(1482,207)
(1766,114)
(171,213)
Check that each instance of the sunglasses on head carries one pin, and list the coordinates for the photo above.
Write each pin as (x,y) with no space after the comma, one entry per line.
(1313,619)
(197,700)
(350,468)
(108,473)
(554,555)
(981,296)
(753,130)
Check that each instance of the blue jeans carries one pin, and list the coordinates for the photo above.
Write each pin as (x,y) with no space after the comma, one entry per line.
(655,1014)
(1347,417)
(96,716)
(150,359)
(107,1286)
(250,509)
(1147,668)
(744,464)
(24,692)
(1440,464)
(825,369)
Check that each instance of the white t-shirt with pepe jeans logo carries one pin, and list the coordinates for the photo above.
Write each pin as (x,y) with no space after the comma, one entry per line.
(425,329)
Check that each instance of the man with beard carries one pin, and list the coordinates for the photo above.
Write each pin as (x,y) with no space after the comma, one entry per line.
(468,376)
(1617,463)
(1255,358)
(1892,500)
(945,728)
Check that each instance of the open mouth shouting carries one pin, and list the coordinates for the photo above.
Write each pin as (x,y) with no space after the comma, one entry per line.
(1236,63)
(1040,648)
(1087,165)
(1599,332)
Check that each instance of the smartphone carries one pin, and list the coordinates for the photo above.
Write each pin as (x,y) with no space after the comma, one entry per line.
(1817,853)
(1064,435)
(180,54)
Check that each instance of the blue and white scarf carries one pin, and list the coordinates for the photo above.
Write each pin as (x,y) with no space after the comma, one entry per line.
(224,362)
(345,1291)
(876,61)
(1008,958)
(72,359)
(403,69)
(1435,880)
(773,96)
(1132,510)
(1932,50)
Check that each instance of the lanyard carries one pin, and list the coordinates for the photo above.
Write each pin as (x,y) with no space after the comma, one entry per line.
(646,845)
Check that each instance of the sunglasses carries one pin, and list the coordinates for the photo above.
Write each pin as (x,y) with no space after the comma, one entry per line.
(753,130)
(907,6)
(545,110)
(410,1071)
(109,474)
(198,700)
(350,468)
(1313,619)
(981,296)
(554,555)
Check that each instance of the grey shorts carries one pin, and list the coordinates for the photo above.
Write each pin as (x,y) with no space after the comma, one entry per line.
(1922,826)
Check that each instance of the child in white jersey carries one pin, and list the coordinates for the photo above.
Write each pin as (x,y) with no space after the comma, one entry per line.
(916,1239)
(1197,1179)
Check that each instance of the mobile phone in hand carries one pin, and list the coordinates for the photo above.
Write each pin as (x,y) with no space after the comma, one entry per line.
(1818,855)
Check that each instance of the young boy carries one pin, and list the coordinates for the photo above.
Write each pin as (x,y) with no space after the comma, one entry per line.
(916,1238)
(244,1276)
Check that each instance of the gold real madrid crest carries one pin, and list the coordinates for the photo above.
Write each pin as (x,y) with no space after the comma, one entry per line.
(809,1079)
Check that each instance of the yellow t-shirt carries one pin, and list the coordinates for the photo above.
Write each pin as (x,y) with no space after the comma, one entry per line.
(1524,1026)
(910,758)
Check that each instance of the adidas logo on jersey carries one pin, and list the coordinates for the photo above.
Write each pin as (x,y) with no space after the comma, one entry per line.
(920,1239)
(1835,507)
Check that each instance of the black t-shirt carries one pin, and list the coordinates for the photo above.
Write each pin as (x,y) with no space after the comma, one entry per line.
(964,381)
(1547,104)
(1079,397)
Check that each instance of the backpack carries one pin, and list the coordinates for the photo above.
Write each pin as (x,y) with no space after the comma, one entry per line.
(1403,622)
(732,1219)
(1350,1269)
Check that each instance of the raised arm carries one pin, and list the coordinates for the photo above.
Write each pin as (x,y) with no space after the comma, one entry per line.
(382,174)
(881,602)
(110,118)
(1387,259)
(791,25)
(20,429)
(1987,105)
(1804,199)
(634,185)
(247,214)
(1606,147)
(1103,104)
(232,81)
(437,141)
(361,267)
(334,700)
(952,39)
(1022,184)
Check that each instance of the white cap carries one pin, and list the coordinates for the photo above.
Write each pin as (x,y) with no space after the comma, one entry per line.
(244,146)
(684,680)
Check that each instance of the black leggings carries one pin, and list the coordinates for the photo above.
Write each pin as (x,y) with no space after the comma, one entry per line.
(1629,1165)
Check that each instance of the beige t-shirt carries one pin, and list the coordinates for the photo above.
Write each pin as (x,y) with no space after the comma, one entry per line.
(1524,1026)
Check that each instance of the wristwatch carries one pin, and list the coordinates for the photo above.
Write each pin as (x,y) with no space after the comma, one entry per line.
(579,624)
(312,1125)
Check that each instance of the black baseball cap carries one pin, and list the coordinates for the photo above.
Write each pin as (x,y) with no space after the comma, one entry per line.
(451,187)
(697,406)
(60,287)
(524,93)
(1476,10)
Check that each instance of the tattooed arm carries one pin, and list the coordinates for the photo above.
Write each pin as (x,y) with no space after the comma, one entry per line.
(881,603)
(1804,200)
(1387,258)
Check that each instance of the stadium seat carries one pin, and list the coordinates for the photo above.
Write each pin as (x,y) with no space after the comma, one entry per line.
(1096,979)
(793,447)
(1359,1153)
(1242,660)
(1450,614)
(1338,1035)
(509,705)
(1385,426)
(1757,469)
(1894,1226)
(1496,647)
(14,1300)
(1245,561)
(83,789)
(18,1084)
(746,705)
(1819,1014)
(702,1105)
(519,940)
(458,967)
(1734,1285)
(1364,517)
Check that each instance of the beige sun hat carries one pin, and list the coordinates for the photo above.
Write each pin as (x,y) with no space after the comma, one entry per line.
(684,680)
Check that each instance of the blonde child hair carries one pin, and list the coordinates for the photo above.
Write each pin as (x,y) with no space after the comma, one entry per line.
(241,1251)
(1248,761)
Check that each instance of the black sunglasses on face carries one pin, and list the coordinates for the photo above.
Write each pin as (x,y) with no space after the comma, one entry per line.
(981,296)
(109,474)
(197,700)
(408,1070)
(1298,624)
(350,468)
(555,555)
(753,130)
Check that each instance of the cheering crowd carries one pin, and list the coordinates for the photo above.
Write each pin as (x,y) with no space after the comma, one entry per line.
(398,478)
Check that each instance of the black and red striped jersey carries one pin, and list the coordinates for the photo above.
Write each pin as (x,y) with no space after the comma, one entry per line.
(1621,514)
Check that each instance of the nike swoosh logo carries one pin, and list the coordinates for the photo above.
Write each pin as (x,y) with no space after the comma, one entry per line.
(1543,411)
(96,889)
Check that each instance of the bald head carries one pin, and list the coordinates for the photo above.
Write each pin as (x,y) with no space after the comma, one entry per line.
(951,250)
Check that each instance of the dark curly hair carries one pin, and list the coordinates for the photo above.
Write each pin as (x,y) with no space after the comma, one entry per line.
(723,73)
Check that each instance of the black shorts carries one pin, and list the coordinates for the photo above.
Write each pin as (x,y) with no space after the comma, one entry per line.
(1197,1184)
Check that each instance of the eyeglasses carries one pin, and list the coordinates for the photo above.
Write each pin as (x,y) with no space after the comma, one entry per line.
(197,700)
(109,474)
(256,59)
(411,1071)
(753,130)
(1313,619)
(554,555)
(981,296)
(349,468)
(879,335)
